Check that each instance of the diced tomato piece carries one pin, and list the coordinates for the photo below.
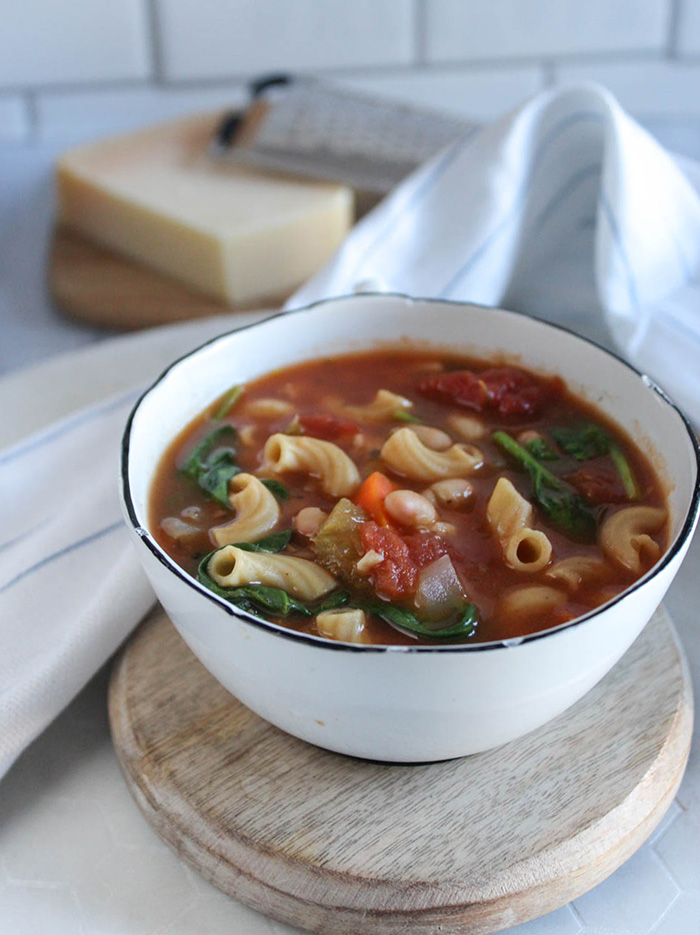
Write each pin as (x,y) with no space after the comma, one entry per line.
(404,556)
(325,426)
(424,547)
(508,390)
(599,484)
(396,575)
(462,387)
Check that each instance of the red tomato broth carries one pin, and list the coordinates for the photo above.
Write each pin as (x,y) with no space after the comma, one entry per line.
(317,390)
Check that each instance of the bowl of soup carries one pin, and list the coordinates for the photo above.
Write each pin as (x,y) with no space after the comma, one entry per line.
(407,529)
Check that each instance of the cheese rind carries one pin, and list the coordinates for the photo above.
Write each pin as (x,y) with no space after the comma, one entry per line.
(158,198)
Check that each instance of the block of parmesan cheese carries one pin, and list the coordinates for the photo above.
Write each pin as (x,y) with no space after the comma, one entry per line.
(158,197)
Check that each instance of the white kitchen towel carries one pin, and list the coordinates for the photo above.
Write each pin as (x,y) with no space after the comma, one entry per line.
(71,587)
(565,209)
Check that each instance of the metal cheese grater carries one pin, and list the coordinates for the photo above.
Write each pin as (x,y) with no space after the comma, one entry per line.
(303,126)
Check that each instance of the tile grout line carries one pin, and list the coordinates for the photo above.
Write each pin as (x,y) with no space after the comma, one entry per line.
(549,74)
(674,28)
(577,915)
(420,36)
(155,42)
(32,112)
(664,914)
(376,70)
(663,863)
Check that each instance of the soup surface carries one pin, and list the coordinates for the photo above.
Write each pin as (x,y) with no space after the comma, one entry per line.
(392,497)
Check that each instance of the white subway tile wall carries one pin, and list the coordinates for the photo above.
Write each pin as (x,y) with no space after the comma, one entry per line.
(14,118)
(689,28)
(220,38)
(653,88)
(480,93)
(82,115)
(44,42)
(79,68)
(456,29)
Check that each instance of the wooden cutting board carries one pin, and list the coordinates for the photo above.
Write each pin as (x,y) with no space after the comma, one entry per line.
(97,286)
(345,847)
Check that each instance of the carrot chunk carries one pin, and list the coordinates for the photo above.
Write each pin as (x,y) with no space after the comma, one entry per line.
(372,494)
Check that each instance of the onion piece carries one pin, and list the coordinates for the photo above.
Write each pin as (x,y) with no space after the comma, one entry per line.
(178,529)
(439,593)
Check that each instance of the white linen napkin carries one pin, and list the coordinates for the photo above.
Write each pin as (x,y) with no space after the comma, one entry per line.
(71,587)
(565,209)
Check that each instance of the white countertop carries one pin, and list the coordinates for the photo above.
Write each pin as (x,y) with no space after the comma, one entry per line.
(75,854)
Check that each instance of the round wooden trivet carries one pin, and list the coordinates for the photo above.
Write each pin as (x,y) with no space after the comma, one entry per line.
(338,845)
(100,287)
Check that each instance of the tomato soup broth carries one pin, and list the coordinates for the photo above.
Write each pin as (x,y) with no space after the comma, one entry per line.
(412,535)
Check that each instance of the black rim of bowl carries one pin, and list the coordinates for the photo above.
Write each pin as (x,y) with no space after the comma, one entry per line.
(322,643)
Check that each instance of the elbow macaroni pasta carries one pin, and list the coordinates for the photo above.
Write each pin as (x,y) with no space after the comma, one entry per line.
(257,512)
(233,568)
(337,472)
(424,497)
(624,536)
(406,454)
(383,407)
(577,569)
(269,408)
(345,624)
(530,600)
(509,515)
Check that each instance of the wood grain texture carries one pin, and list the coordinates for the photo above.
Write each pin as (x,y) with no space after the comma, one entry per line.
(337,845)
(100,287)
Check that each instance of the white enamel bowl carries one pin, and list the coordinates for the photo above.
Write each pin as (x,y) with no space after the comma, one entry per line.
(397,703)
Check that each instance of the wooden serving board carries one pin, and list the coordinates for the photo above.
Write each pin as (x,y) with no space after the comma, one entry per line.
(97,286)
(343,846)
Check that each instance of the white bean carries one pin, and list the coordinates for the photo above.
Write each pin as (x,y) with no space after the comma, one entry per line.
(410,508)
(453,493)
(470,428)
(524,438)
(309,520)
(247,435)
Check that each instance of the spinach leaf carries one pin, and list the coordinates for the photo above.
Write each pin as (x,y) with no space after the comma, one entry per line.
(629,481)
(223,436)
(277,488)
(561,504)
(274,543)
(212,463)
(215,477)
(588,440)
(564,508)
(539,449)
(229,401)
(260,600)
(402,416)
(257,599)
(329,602)
(583,441)
(464,627)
